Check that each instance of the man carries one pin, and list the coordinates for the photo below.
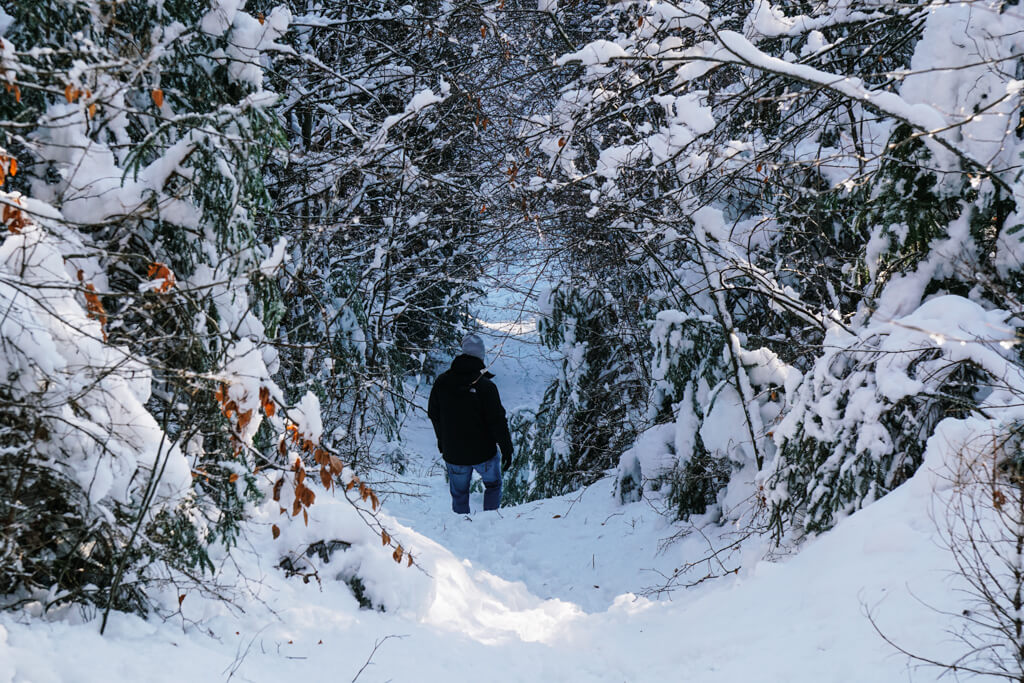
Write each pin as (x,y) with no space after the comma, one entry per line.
(470,425)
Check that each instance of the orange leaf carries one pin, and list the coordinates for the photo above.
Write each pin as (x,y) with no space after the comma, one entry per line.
(160,271)
(181,599)
(260,18)
(275,531)
(561,142)
(244,419)
(385,538)
(264,394)
(397,555)
(13,170)
(92,110)
(158,96)
(277,488)
(305,518)
(269,409)
(282,447)
(69,93)
(325,478)
(17,94)
(336,464)
(296,506)
(483,31)
(233,478)
(374,501)
(409,560)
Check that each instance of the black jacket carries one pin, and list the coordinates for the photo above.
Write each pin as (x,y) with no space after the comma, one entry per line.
(468,417)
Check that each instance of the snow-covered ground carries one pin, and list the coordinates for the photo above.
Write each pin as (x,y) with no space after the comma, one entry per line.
(557,590)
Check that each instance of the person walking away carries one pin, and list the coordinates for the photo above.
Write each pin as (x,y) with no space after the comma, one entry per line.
(470,425)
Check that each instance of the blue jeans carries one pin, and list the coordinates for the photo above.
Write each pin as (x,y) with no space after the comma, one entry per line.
(459,477)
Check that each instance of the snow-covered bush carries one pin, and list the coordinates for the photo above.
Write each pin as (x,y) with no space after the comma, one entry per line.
(136,288)
(589,412)
(81,456)
(858,425)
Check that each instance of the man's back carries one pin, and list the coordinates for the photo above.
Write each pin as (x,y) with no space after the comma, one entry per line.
(469,420)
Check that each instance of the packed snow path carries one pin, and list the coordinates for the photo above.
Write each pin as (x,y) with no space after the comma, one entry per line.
(548,591)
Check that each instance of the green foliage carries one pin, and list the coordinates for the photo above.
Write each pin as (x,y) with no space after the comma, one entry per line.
(839,459)
(136,89)
(589,413)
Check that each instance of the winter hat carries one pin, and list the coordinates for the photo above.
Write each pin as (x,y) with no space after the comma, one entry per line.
(473,345)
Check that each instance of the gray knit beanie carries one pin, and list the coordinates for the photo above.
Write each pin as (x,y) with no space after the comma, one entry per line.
(473,345)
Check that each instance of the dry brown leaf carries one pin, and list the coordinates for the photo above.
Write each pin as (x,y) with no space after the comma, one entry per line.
(336,465)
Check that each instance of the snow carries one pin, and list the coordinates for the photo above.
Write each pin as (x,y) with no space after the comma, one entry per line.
(514,595)
(416,104)
(597,52)
(277,257)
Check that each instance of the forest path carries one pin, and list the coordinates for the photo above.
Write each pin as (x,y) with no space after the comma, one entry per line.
(581,548)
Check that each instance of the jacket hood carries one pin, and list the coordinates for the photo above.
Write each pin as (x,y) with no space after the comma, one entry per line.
(469,368)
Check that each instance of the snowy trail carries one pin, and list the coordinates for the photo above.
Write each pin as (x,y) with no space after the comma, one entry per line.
(545,591)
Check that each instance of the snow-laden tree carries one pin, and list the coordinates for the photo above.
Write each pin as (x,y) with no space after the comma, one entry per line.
(799,182)
(137,295)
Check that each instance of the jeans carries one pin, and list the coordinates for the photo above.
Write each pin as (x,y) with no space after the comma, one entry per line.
(459,477)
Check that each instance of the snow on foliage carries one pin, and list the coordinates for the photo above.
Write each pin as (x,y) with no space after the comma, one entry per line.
(803,219)
(138,285)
